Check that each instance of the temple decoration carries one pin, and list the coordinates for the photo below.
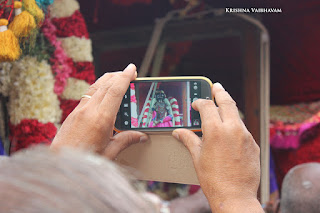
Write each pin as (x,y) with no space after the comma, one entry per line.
(293,124)
(54,70)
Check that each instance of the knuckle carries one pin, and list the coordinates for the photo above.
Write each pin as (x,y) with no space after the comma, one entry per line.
(227,101)
(256,148)
(106,76)
(205,103)
(79,114)
(209,123)
(236,128)
(92,88)
(224,96)
(130,140)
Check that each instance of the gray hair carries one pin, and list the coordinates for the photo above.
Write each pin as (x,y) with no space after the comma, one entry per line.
(39,180)
(301,189)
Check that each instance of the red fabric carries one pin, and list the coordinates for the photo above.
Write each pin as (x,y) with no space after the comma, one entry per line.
(286,136)
(67,107)
(309,151)
(74,25)
(295,48)
(174,55)
(31,132)
(83,71)
(193,189)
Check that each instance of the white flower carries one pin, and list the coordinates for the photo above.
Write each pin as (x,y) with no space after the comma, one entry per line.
(32,95)
(74,89)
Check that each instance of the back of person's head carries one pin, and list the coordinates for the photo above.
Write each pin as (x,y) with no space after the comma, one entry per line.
(39,180)
(301,189)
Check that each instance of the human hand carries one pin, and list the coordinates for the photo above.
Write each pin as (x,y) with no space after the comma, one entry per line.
(227,158)
(90,125)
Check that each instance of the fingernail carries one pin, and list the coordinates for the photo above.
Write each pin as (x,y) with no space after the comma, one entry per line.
(218,85)
(144,139)
(175,135)
(127,68)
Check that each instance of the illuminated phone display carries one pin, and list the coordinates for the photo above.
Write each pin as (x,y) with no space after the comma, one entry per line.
(161,105)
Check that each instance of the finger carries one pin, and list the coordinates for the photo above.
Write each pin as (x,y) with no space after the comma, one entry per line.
(227,106)
(95,86)
(112,98)
(123,140)
(190,140)
(209,114)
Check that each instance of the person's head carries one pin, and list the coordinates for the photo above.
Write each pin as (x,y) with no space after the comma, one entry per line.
(301,189)
(38,180)
(160,95)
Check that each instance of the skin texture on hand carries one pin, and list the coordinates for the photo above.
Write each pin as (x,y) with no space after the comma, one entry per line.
(227,158)
(193,203)
(90,125)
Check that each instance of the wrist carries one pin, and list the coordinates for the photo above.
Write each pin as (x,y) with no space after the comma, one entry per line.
(236,205)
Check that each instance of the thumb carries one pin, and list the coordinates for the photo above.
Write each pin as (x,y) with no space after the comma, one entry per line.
(123,140)
(190,140)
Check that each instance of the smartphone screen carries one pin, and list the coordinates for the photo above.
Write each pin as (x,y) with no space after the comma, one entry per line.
(161,105)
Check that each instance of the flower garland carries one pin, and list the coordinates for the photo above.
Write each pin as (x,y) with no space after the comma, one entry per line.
(83,71)
(59,60)
(31,132)
(63,8)
(78,29)
(67,107)
(41,97)
(77,41)
(79,49)
(75,89)
(31,98)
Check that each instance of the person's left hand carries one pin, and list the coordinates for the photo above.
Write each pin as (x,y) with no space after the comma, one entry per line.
(90,125)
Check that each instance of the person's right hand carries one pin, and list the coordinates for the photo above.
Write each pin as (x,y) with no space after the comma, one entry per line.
(90,125)
(226,159)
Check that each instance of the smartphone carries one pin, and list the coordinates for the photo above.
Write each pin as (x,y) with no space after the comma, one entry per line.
(162,104)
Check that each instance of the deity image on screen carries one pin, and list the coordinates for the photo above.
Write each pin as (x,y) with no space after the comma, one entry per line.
(160,104)
(161,111)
